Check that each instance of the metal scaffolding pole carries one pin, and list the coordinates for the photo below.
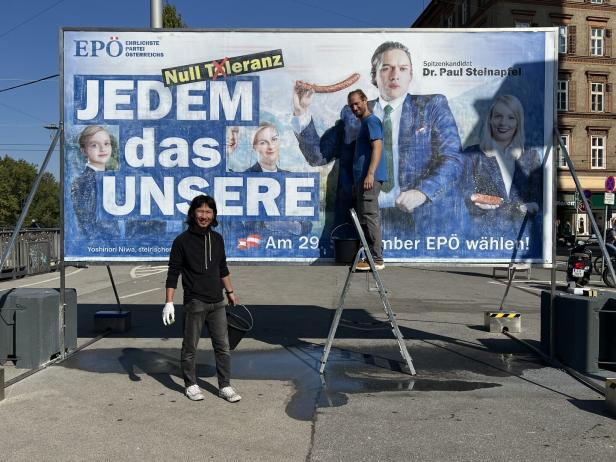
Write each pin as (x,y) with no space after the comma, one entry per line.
(29,200)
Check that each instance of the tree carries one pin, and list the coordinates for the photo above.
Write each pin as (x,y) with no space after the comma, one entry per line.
(16,179)
(171,18)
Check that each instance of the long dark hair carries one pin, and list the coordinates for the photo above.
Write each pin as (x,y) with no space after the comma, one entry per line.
(198,202)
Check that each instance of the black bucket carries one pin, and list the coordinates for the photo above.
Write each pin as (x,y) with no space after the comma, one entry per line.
(237,326)
(345,248)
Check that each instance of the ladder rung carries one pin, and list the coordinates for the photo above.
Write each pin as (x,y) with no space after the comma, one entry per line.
(376,289)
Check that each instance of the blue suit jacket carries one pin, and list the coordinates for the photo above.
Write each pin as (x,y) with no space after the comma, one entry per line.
(86,207)
(430,157)
(256,167)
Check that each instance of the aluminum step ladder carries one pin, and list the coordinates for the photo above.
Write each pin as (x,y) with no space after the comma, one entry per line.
(380,288)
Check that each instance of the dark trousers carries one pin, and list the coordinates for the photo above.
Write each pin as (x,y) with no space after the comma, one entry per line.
(195,315)
(369,216)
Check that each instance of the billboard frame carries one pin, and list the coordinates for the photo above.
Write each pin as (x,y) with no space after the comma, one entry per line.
(550,148)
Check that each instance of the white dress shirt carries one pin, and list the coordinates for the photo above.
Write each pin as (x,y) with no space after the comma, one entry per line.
(506,164)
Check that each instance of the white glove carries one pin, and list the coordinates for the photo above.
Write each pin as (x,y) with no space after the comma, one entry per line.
(168,314)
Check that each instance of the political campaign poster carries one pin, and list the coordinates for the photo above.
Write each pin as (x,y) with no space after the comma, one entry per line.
(259,121)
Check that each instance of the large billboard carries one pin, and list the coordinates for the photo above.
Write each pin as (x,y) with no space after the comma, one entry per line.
(258,120)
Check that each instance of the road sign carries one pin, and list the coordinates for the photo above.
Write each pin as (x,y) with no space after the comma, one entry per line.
(608,198)
(587,193)
(581,208)
(610,183)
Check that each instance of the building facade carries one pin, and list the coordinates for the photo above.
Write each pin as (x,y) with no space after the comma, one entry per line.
(585,103)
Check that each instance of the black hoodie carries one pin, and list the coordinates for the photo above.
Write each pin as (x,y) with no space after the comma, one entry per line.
(199,255)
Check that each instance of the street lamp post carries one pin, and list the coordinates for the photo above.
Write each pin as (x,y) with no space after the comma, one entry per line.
(156,14)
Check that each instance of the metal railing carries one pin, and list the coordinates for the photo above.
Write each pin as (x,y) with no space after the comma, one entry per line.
(36,251)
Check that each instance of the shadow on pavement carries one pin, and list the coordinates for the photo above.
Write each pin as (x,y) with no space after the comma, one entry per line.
(592,406)
(284,325)
(443,363)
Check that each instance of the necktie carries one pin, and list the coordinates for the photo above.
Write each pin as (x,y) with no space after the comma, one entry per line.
(387,149)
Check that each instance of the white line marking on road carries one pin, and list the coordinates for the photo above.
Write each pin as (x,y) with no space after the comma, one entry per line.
(145,271)
(524,284)
(140,293)
(533,281)
(536,289)
(52,279)
(543,282)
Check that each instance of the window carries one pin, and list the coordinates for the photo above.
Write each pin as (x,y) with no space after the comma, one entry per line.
(562,163)
(596,2)
(562,95)
(597,151)
(596,41)
(596,97)
(522,18)
(562,39)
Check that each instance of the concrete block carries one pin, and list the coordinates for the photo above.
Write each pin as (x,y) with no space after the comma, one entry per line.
(117,321)
(496,321)
(610,395)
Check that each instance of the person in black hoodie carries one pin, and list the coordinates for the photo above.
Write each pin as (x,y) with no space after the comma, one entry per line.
(198,254)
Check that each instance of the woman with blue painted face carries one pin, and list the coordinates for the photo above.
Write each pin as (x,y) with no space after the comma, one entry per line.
(505,180)
(266,143)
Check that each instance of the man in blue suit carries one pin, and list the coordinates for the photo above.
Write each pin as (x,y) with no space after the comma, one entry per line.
(421,146)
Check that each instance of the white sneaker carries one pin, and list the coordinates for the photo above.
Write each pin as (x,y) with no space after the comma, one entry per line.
(194,393)
(229,394)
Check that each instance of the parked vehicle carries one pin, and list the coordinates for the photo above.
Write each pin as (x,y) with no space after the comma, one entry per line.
(579,265)
(592,244)
(606,275)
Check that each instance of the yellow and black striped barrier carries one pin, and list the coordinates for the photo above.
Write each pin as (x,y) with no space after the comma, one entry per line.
(610,395)
(501,314)
(498,321)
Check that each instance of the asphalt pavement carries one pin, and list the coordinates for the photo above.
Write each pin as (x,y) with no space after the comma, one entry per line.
(476,395)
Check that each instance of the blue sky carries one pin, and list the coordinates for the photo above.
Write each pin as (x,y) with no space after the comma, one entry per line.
(29,44)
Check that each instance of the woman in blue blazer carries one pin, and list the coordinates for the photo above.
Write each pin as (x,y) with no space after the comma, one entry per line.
(504,195)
